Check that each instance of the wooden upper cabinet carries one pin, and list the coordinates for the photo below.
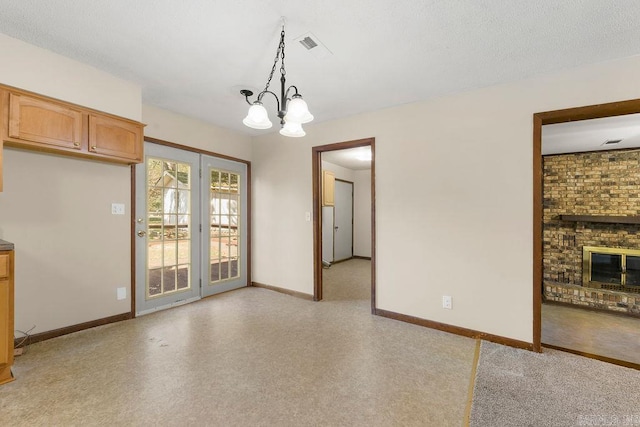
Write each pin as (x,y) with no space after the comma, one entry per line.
(115,138)
(44,122)
(36,122)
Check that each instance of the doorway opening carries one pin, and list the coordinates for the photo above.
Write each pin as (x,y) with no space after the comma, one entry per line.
(566,229)
(341,209)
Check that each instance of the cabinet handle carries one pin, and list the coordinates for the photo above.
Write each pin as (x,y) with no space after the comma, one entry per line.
(76,144)
(93,148)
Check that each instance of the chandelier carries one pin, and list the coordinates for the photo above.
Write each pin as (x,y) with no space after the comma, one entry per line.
(292,111)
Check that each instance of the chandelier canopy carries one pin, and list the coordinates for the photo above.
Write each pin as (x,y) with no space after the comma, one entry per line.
(292,110)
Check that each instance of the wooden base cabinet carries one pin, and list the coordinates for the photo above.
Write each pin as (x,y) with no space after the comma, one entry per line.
(6,316)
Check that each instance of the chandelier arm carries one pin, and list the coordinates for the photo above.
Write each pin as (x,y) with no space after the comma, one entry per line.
(286,95)
(261,94)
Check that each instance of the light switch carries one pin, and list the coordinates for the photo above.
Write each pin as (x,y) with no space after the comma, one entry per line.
(121,293)
(117,208)
(307,216)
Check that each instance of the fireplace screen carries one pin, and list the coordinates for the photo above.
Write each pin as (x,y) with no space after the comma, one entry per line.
(611,268)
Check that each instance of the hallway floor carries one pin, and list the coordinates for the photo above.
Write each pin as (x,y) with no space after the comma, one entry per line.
(603,334)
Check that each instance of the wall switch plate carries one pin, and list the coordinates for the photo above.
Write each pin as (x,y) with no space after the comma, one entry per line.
(117,208)
(446,302)
(121,293)
(307,216)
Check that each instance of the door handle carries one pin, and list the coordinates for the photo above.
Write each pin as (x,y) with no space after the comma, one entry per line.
(141,233)
(336,227)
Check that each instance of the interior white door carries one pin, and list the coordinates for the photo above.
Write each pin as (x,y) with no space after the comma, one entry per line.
(343,226)
(167,222)
(327,234)
(224,229)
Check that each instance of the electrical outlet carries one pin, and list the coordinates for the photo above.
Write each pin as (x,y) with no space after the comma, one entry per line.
(117,208)
(307,216)
(121,293)
(446,302)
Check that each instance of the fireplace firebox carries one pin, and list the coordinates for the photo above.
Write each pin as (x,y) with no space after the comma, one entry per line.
(615,269)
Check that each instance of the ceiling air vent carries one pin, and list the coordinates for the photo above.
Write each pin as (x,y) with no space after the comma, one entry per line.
(612,141)
(308,43)
(313,45)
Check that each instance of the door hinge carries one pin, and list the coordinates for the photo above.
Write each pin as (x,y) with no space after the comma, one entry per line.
(200,172)
(200,280)
(201,228)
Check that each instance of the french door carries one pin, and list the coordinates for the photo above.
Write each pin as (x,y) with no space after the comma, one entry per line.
(190,227)
(224,225)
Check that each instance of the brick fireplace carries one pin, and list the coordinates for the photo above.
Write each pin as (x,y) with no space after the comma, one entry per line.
(592,200)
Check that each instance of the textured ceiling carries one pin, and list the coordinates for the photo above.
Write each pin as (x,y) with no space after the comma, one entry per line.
(592,135)
(193,56)
(350,158)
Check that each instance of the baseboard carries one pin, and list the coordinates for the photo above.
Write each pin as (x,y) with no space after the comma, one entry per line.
(457,330)
(43,336)
(283,291)
(594,356)
(362,257)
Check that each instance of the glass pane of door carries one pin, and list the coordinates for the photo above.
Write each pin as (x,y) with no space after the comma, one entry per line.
(168,221)
(224,197)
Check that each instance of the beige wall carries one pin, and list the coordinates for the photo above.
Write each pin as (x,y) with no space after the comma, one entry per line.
(71,253)
(38,70)
(453,197)
(173,127)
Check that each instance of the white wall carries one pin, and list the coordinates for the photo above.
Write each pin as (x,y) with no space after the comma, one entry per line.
(454,188)
(340,172)
(362,213)
(71,253)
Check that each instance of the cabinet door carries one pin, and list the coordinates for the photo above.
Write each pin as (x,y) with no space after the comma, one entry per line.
(4,266)
(6,328)
(6,324)
(44,122)
(328,183)
(115,138)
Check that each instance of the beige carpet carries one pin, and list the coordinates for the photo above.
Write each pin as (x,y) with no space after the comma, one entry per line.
(521,388)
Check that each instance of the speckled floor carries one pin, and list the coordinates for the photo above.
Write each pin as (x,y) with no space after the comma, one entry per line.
(251,357)
(603,334)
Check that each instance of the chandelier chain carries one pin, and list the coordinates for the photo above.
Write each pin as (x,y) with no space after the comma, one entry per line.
(279,52)
(282,70)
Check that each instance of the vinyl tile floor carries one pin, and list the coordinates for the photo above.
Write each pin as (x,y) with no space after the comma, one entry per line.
(251,357)
(602,334)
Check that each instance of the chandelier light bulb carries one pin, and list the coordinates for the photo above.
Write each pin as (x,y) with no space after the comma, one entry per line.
(292,129)
(257,117)
(298,111)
